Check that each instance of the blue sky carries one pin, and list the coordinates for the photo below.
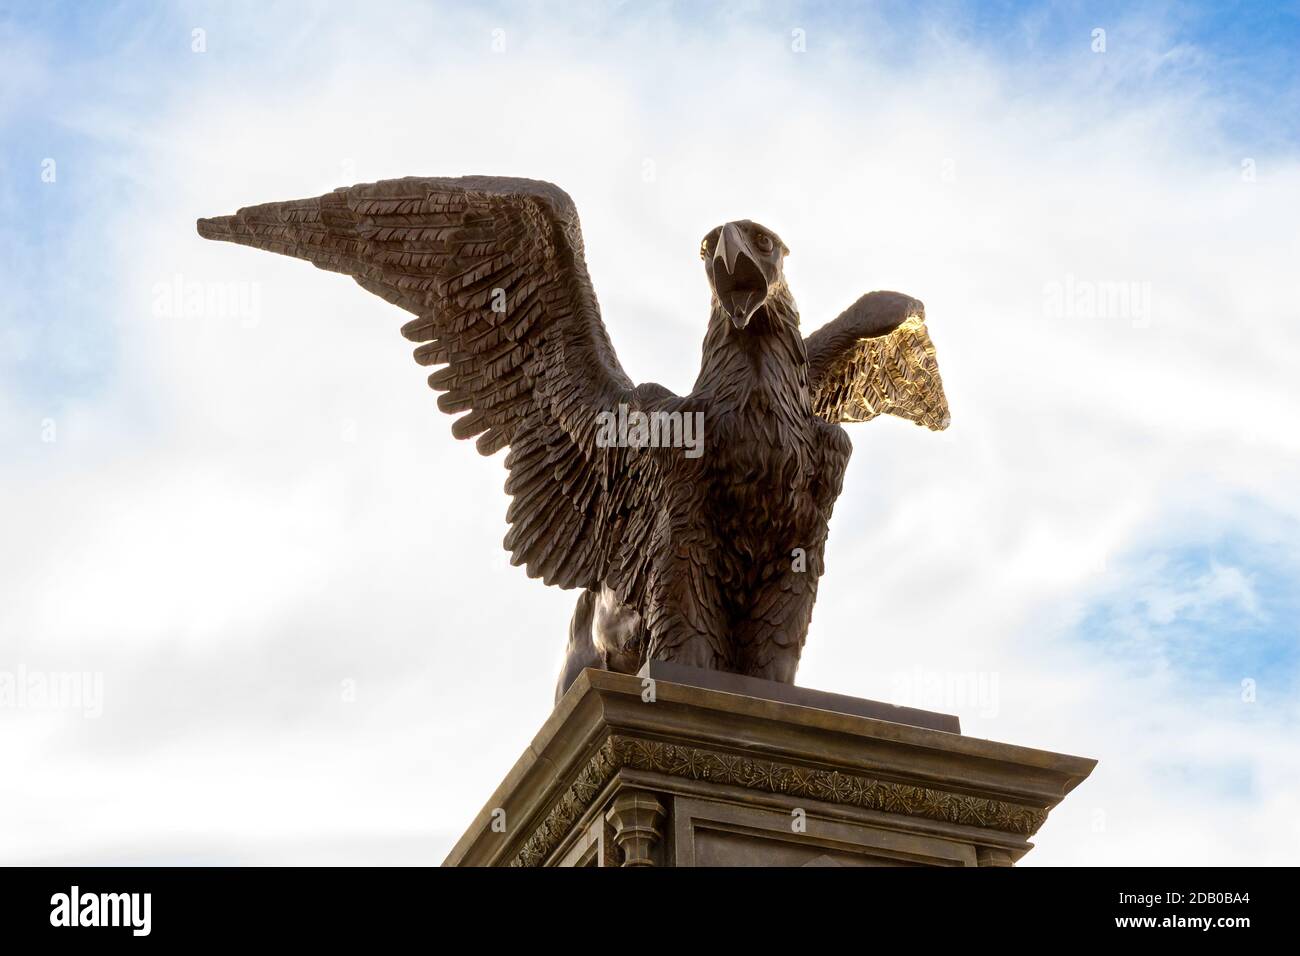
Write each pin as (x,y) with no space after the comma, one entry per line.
(1212,605)
(224,524)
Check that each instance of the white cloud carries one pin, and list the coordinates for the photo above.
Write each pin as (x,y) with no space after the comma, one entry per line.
(1220,585)
(255,512)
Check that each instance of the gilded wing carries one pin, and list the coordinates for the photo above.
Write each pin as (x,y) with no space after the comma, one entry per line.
(493,269)
(877,358)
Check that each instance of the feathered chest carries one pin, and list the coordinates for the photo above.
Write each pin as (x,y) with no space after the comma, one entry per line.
(769,480)
(767,443)
(762,439)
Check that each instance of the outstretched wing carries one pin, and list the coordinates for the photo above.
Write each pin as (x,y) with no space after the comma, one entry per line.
(493,269)
(877,358)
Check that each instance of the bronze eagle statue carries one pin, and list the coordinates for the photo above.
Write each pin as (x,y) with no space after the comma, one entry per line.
(695,524)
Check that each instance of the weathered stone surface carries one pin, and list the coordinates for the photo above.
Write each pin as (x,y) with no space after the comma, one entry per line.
(633,771)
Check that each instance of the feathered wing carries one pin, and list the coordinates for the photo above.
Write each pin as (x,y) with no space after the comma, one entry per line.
(877,358)
(493,269)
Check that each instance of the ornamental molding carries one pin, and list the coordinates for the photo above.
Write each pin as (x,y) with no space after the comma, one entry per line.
(769,776)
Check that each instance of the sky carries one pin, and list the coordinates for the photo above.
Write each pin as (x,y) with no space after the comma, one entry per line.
(240,540)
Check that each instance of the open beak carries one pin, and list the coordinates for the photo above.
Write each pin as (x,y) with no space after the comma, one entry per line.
(738,281)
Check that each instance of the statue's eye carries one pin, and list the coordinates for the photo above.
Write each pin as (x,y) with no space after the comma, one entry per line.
(764,242)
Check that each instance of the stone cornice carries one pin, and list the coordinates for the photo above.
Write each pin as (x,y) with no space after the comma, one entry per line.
(778,777)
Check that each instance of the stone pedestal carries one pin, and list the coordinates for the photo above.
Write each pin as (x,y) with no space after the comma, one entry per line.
(683,767)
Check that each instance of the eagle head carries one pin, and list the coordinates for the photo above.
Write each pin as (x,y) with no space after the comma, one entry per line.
(743,263)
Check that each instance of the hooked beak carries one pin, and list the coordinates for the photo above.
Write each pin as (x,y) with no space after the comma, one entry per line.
(738,281)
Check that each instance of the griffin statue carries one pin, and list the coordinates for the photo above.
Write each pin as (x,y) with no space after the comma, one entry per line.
(693,525)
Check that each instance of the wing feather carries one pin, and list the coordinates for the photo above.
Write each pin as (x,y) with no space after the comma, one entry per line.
(877,359)
(493,271)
